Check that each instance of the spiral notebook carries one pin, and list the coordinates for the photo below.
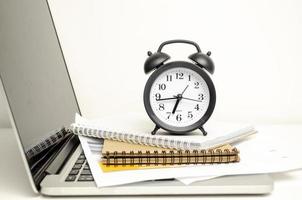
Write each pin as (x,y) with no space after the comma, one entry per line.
(135,132)
(120,153)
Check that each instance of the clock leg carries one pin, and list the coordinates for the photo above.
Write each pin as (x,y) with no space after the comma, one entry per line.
(155,130)
(203,131)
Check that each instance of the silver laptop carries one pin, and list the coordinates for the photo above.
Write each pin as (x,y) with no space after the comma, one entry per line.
(42,102)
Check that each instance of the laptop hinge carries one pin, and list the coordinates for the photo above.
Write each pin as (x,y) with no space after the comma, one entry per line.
(58,163)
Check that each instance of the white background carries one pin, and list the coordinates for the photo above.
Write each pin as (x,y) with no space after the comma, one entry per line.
(256,47)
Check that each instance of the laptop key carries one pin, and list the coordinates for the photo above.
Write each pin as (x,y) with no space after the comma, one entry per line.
(86,178)
(70,178)
(86,167)
(86,172)
(80,161)
(77,166)
(74,172)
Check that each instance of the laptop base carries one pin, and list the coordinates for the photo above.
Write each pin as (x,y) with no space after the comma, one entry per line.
(55,185)
(251,184)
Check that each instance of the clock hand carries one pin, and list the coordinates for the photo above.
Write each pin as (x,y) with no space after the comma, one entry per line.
(166,99)
(192,99)
(179,97)
(176,104)
(184,90)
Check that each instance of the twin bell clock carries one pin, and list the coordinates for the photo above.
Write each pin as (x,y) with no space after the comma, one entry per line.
(179,96)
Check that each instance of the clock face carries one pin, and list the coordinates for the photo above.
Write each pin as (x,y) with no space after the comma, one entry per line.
(179,97)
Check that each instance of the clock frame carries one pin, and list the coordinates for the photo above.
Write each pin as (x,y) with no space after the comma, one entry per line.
(172,129)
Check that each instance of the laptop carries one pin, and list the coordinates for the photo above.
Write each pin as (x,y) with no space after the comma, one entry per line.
(42,103)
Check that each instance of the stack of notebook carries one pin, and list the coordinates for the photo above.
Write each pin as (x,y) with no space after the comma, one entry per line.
(119,153)
(124,150)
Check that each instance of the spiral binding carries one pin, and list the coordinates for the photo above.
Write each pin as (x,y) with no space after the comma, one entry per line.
(92,131)
(171,158)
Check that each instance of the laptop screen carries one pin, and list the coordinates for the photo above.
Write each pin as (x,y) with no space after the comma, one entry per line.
(33,72)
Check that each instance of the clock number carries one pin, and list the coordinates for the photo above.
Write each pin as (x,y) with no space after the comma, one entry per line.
(196,107)
(169,77)
(196,85)
(162,86)
(157,96)
(178,117)
(189,77)
(190,115)
(161,107)
(169,114)
(179,75)
(200,97)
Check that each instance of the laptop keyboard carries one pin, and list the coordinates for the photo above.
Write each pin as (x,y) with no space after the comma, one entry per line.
(80,171)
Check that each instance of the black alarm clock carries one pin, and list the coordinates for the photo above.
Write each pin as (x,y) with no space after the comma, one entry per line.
(179,96)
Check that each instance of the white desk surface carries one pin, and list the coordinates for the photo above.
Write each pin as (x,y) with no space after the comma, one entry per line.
(14,183)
